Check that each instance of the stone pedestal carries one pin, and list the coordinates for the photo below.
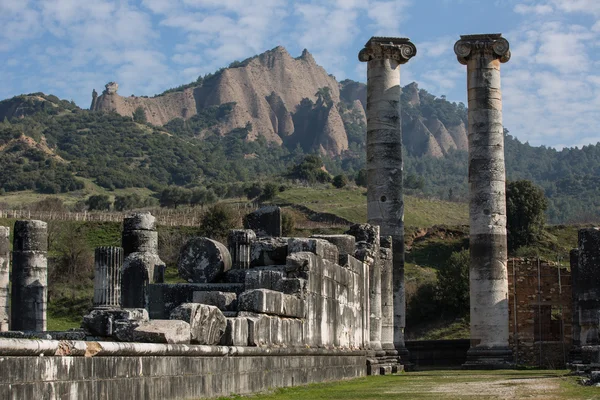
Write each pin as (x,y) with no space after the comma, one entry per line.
(385,203)
(482,54)
(4,278)
(107,277)
(30,276)
(239,242)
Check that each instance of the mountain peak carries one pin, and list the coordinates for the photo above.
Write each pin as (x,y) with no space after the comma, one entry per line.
(306,56)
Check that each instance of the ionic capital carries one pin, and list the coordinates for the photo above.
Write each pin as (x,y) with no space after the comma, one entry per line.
(487,44)
(379,48)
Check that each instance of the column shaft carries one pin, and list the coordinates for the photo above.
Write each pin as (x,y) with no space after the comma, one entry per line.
(30,276)
(487,202)
(107,276)
(385,203)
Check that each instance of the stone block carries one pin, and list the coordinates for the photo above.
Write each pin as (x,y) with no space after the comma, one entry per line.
(100,322)
(123,329)
(320,247)
(265,222)
(236,332)
(143,221)
(295,286)
(344,243)
(271,302)
(259,331)
(163,331)
(263,279)
(203,260)
(264,252)
(224,301)
(207,323)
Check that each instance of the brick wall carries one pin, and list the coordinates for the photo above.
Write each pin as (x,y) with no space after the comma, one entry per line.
(540,312)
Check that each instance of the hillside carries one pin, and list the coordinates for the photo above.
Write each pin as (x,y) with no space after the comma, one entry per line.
(252,122)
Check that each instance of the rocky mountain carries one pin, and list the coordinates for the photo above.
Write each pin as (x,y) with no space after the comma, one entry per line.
(290,101)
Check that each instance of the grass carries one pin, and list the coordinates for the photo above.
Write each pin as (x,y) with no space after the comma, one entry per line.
(351,203)
(439,385)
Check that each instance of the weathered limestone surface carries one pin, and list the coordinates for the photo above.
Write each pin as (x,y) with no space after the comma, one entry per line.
(385,203)
(239,242)
(320,247)
(163,331)
(203,260)
(103,321)
(139,234)
(4,278)
(487,206)
(207,323)
(139,270)
(107,276)
(266,301)
(224,301)
(30,276)
(387,296)
(266,222)
(344,243)
(163,298)
(236,332)
(270,251)
(367,251)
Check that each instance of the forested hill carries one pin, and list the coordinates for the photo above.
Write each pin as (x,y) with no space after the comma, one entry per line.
(50,145)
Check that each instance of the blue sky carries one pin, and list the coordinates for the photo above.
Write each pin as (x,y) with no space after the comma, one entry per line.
(551,86)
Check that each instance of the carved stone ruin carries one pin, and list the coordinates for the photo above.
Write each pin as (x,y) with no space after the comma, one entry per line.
(107,276)
(30,276)
(585,267)
(239,242)
(142,265)
(4,278)
(265,222)
(482,54)
(385,203)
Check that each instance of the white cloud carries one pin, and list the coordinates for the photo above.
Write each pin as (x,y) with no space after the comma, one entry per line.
(540,9)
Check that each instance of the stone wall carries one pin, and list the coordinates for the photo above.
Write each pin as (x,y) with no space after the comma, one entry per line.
(540,309)
(155,374)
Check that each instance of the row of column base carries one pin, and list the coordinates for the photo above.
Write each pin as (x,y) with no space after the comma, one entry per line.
(387,361)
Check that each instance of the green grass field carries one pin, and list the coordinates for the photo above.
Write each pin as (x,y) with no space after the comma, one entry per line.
(445,384)
(351,203)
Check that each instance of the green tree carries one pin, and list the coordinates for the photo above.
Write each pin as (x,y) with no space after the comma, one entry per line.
(525,209)
(139,115)
(269,192)
(98,202)
(453,283)
(361,178)
(339,181)
(218,220)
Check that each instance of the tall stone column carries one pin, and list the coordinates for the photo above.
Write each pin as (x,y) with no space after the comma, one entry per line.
(30,276)
(107,277)
(482,54)
(385,203)
(4,278)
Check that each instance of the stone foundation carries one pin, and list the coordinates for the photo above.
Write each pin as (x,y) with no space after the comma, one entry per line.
(105,370)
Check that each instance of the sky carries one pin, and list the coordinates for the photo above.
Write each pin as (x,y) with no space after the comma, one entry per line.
(551,85)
